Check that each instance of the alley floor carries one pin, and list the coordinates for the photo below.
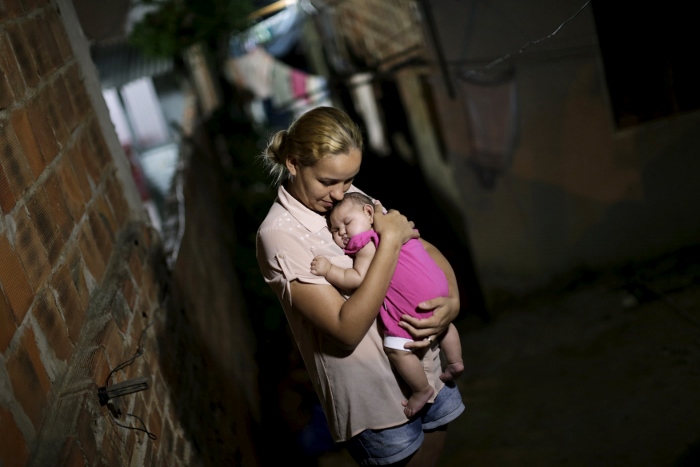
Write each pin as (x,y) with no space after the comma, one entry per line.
(604,374)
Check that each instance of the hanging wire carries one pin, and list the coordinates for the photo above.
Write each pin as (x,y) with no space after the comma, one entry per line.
(124,364)
(138,353)
(469,73)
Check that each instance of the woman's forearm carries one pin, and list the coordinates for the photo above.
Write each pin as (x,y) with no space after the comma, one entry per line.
(360,310)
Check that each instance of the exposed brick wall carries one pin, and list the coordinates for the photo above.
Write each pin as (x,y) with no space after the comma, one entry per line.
(82,275)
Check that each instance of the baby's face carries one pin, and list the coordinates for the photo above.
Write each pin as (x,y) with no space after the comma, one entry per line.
(349,219)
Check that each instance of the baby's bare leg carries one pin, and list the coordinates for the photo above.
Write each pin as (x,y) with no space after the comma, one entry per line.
(452,346)
(411,370)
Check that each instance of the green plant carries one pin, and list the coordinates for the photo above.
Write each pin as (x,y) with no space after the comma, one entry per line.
(171,26)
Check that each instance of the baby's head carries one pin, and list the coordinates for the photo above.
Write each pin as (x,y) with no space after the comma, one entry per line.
(351,216)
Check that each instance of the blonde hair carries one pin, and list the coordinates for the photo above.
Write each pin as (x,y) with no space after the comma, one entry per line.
(316,134)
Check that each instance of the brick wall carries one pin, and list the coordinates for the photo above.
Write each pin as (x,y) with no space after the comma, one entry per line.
(83,281)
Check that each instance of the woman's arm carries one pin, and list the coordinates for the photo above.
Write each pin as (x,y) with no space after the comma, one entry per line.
(347,321)
(445,309)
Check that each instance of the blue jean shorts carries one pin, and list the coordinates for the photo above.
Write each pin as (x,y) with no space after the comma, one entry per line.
(381,447)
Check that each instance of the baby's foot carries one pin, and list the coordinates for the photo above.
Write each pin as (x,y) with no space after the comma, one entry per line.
(452,371)
(416,402)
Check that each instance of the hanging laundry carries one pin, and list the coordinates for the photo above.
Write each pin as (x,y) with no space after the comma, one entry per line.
(252,71)
(282,93)
(362,91)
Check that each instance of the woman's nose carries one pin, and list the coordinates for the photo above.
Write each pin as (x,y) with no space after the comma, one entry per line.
(337,193)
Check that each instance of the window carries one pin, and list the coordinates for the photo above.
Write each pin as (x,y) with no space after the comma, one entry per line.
(648,55)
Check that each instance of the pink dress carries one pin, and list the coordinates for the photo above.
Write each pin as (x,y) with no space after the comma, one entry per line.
(417,278)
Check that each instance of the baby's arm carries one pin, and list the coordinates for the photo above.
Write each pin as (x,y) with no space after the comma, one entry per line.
(347,279)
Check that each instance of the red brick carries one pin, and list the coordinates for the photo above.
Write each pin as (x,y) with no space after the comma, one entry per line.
(29,379)
(7,97)
(13,449)
(99,145)
(105,212)
(23,54)
(135,266)
(40,210)
(49,41)
(10,68)
(78,94)
(129,292)
(99,367)
(7,323)
(86,434)
(54,115)
(31,251)
(77,271)
(17,170)
(35,41)
(43,134)
(115,197)
(12,9)
(155,422)
(69,302)
(103,236)
(64,103)
(71,189)
(112,342)
(52,324)
(91,254)
(59,34)
(59,208)
(84,151)
(7,198)
(80,172)
(14,281)
(23,129)
(70,454)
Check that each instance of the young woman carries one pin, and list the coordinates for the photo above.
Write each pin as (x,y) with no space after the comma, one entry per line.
(314,163)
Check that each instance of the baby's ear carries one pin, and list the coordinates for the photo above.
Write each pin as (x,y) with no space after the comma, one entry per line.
(369,210)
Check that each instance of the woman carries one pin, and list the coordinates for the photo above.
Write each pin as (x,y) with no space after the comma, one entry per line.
(314,163)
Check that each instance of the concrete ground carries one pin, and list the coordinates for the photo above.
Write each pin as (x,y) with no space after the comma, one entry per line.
(604,374)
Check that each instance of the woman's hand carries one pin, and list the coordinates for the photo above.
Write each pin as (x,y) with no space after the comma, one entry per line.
(392,225)
(445,310)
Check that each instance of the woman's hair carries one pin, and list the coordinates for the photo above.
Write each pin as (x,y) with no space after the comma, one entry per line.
(316,134)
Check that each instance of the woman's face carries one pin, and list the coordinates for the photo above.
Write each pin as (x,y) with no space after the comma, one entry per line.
(320,186)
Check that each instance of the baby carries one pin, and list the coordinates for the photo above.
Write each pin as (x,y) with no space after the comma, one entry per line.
(417,278)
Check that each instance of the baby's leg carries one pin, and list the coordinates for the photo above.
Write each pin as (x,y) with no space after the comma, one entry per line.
(411,370)
(451,345)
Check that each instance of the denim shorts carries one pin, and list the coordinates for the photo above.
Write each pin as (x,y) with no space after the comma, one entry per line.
(381,447)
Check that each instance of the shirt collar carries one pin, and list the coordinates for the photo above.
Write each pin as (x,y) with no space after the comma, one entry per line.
(311,220)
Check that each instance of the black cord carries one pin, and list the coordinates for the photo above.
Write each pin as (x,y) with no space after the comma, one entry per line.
(138,353)
(144,429)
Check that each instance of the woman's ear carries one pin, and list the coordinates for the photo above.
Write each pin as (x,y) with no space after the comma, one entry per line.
(291,164)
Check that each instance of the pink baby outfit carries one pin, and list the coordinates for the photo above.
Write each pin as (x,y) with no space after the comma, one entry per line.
(417,278)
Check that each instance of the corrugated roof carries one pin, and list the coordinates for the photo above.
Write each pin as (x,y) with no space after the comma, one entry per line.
(120,63)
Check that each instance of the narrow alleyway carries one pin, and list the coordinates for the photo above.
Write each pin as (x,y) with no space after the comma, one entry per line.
(603,374)
(603,371)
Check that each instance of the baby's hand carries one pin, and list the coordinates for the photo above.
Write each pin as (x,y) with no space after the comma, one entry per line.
(320,266)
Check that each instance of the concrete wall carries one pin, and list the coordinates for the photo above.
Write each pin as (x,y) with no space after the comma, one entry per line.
(575,193)
(84,285)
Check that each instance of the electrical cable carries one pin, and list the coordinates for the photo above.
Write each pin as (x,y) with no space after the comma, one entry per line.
(124,364)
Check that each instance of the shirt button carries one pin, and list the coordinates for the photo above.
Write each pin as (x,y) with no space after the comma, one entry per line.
(281,255)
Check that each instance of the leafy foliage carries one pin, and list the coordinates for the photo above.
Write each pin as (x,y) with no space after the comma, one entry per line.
(171,26)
